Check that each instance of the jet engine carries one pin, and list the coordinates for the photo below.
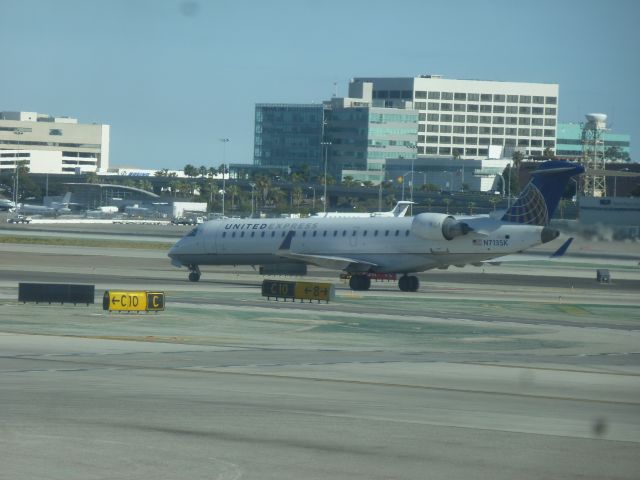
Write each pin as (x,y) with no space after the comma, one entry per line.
(438,226)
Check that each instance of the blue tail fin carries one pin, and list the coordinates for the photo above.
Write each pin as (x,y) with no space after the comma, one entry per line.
(539,199)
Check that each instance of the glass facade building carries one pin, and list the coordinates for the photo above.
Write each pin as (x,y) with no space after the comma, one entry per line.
(363,138)
(288,135)
(569,140)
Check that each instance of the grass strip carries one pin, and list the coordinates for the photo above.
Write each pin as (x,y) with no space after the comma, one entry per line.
(85,242)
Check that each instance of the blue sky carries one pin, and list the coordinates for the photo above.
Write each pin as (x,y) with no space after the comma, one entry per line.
(172,77)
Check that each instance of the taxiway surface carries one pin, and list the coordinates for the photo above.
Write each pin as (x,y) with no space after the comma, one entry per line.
(519,372)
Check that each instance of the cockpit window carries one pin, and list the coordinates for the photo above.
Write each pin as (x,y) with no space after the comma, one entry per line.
(193,232)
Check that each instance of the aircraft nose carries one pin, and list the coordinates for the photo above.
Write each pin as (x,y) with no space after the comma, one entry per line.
(175,251)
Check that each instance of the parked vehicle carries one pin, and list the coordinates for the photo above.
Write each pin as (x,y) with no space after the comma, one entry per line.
(19,219)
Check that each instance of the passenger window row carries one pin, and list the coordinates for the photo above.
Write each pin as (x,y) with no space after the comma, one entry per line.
(316,233)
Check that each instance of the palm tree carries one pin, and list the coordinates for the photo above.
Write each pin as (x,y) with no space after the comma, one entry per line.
(233,191)
(297,196)
(190,170)
(429,202)
(494,201)
(447,201)
(202,171)
(263,184)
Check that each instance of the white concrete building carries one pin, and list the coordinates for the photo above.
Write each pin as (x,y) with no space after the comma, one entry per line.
(466,117)
(52,144)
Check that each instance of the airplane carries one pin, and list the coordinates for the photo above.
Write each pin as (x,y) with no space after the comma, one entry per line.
(400,210)
(56,208)
(7,205)
(401,245)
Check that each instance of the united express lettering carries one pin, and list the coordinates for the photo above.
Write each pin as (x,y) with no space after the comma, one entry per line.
(271,226)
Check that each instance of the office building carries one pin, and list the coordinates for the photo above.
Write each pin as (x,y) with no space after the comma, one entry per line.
(463,118)
(288,135)
(52,144)
(350,134)
(363,137)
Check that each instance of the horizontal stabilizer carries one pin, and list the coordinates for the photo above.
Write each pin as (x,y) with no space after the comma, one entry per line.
(519,257)
(563,249)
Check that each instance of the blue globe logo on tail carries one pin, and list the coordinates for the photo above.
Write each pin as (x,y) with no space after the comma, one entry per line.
(539,199)
(530,208)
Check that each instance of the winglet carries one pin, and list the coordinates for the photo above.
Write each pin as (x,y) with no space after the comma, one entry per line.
(563,249)
(286,243)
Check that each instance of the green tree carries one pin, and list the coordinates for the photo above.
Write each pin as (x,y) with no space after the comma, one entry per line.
(145,185)
(348,181)
(517,158)
(297,196)
(91,177)
(429,202)
(549,153)
(263,186)
(190,170)
(447,202)
(233,191)
(494,200)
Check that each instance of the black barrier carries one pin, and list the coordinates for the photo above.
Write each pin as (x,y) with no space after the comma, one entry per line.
(56,293)
(297,290)
(278,289)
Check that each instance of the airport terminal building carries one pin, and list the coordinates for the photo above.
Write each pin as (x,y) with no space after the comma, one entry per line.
(52,144)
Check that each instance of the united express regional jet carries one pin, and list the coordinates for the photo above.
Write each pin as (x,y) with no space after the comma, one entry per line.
(401,245)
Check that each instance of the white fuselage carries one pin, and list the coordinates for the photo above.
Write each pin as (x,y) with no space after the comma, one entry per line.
(377,244)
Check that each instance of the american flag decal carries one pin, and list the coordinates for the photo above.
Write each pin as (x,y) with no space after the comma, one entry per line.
(477,242)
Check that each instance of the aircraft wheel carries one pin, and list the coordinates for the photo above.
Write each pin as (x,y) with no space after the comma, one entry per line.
(194,277)
(359,282)
(409,283)
(413,283)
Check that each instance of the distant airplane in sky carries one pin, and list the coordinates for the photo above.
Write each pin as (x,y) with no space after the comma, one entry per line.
(381,244)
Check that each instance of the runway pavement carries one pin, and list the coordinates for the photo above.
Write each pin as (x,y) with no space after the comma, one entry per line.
(519,372)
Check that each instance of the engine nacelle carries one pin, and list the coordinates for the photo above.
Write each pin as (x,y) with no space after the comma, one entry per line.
(438,226)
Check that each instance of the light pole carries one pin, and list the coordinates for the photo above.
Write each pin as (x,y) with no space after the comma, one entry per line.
(224,168)
(313,205)
(253,186)
(326,154)
(382,177)
(410,186)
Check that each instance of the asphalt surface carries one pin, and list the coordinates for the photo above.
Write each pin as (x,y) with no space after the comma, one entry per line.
(521,372)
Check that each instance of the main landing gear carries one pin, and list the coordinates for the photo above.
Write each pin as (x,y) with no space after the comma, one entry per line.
(194,273)
(409,283)
(359,282)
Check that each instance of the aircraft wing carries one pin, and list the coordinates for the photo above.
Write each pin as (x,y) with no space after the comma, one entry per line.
(326,261)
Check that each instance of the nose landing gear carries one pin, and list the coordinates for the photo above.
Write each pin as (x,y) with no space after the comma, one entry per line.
(194,273)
